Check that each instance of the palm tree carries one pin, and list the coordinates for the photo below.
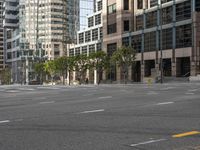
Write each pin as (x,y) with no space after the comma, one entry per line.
(124,57)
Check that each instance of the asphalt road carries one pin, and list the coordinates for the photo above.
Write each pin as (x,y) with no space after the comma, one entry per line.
(106,117)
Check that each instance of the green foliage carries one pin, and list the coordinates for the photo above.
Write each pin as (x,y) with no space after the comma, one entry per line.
(98,60)
(50,68)
(81,64)
(124,57)
(61,65)
(5,76)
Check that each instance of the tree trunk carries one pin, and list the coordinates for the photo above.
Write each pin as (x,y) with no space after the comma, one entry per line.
(69,77)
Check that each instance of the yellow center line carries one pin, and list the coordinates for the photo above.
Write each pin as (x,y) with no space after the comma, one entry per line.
(186,134)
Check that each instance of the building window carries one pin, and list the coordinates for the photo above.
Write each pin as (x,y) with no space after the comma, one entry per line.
(153,3)
(139,22)
(198,5)
(71,52)
(84,50)
(139,4)
(87,36)
(81,38)
(98,19)
(95,34)
(101,33)
(151,18)
(184,36)
(99,5)
(111,48)
(126,25)
(90,22)
(136,42)
(112,28)
(165,1)
(99,46)
(126,4)
(125,41)
(77,51)
(167,15)
(112,9)
(167,37)
(149,41)
(183,11)
(92,48)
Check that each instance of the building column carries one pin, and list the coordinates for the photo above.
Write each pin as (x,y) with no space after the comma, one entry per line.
(27,70)
(95,77)
(142,72)
(173,69)
(118,74)
(74,75)
(130,72)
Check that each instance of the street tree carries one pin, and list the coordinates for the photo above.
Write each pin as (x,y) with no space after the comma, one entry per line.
(61,65)
(5,76)
(81,64)
(39,70)
(99,62)
(124,57)
(50,68)
(71,66)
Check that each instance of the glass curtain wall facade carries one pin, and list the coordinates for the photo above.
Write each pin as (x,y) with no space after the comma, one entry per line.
(2,64)
(87,7)
(43,30)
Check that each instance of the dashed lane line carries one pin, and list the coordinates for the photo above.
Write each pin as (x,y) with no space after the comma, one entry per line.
(4,121)
(92,111)
(105,97)
(147,142)
(50,102)
(165,103)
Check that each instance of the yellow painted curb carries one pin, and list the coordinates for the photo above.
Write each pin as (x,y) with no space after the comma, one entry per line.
(186,134)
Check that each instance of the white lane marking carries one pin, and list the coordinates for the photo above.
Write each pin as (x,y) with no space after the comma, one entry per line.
(189,93)
(51,102)
(18,120)
(39,98)
(26,89)
(92,111)
(165,103)
(147,142)
(12,91)
(88,95)
(5,121)
(192,90)
(105,97)
(152,93)
(49,88)
(168,88)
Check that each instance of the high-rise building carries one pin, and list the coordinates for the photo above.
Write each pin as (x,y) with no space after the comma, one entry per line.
(2,62)
(89,40)
(37,30)
(165,34)
(87,7)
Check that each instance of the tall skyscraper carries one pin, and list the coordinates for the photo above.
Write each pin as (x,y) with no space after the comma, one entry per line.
(41,30)
(87,7)
(1,37)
